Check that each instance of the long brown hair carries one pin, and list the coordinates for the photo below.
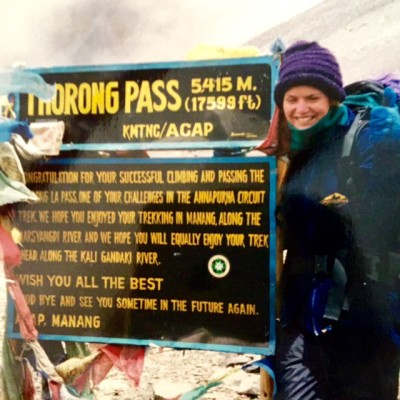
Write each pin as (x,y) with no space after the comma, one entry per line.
(277,142)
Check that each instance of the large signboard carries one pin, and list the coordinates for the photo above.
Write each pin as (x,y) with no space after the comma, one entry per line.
(131,245)
(176,252)
(208,103)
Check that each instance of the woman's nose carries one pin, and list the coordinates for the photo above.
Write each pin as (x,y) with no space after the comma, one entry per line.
(302,106)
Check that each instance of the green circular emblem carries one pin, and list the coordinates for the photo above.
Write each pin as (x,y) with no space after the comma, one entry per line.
(219,266)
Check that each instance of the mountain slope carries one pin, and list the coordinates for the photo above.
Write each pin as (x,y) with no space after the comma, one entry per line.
(364,35)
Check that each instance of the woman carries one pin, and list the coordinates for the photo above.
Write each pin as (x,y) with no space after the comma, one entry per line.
(335,329)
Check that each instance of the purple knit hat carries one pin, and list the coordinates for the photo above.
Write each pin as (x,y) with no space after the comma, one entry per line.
(307,63)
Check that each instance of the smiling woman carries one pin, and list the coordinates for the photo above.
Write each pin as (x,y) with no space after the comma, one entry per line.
(321,345)
(304,106)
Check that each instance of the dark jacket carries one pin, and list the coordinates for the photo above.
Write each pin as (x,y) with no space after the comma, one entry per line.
(331,216)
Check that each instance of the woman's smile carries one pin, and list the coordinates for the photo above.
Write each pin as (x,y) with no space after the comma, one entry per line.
(304,106)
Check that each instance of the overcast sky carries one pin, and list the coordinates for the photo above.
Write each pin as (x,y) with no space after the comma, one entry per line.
(86,32)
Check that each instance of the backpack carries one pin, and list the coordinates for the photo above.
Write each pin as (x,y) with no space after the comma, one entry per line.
(362,97)
(383,263)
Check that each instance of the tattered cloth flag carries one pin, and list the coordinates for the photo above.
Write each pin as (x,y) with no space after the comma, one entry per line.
(14,192)
(10,163)
(28,384)
(74,367)
(128,359)
(11,254)
(12,374)
(8,127)
(22,81)
(25,318)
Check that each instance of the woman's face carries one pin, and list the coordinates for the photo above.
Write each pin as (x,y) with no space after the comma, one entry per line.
(304,106)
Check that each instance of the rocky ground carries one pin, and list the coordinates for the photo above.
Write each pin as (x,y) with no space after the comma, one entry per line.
(168,373)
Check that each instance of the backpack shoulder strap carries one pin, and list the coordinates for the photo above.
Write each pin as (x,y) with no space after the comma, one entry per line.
(346,161)
(360,121)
